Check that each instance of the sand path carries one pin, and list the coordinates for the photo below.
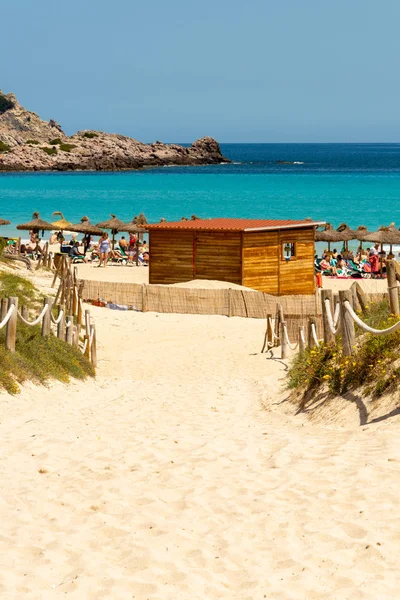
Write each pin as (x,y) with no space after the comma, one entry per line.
(166,479)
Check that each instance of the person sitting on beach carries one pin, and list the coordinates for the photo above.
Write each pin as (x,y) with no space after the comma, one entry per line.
(74,252)
(327,268)
(144,247)
(53,238)
(341,266)
(123,244)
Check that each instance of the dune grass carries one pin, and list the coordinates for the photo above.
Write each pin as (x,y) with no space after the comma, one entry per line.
(36,359)
(374,366)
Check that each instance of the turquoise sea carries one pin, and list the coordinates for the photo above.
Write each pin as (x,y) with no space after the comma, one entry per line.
(355,183)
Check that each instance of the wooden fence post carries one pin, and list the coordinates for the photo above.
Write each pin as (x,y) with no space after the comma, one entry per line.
(278,320)
(327,295)
(46,321)
(93,349)
(4,308)
(70,329)
(284,344)
(61,323)
(80,295)
(25,312)
(362,298)
(87,321)
(301,339)
(267,335)
(348,331)
(311,341)
(144,298)
(75,299)
(393,290)
(11,331)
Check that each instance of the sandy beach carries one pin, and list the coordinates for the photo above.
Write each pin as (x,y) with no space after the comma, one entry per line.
(183,472)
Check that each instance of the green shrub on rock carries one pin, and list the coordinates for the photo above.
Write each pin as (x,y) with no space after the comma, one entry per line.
(5,104)
(4,147)
(67,147)
(50,151)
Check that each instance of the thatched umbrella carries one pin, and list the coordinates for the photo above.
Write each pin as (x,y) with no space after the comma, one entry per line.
(62,224)
(327,235)
(4,222)
(385,235)
(140,220)
(85,226)
(360,233)
(36,225)
(115,225)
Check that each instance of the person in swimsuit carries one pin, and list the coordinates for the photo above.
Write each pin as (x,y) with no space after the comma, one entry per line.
(104,246)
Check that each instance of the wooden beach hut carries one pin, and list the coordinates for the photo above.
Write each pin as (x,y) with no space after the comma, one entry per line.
(276,257)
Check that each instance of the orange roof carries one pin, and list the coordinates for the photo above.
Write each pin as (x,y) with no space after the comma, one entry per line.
(233,224)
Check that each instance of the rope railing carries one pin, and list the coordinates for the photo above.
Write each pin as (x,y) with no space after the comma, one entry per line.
(68,325)
(38,319)
(59,318)
(314,334)
(285,333)
(366,327)
(6,319)
(332,321)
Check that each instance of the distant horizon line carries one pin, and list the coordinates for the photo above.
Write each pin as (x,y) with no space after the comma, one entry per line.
(294,143)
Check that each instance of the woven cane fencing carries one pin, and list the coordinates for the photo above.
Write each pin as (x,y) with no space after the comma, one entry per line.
(169,299)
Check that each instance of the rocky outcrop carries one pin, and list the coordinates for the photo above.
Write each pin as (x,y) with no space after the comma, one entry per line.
(27,143)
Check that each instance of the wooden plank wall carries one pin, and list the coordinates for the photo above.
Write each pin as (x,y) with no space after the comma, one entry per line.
(171,256)
(296,276)
(265,269)
(218,256)
(260,261)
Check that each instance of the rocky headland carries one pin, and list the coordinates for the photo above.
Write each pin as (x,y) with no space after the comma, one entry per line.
(27,143)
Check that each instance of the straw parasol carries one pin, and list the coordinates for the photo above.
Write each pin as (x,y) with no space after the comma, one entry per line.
(4,222)
(114,224)
(140,220)
(85,226)
(385,235)
(360,233)
(36,225)
(62,224)
(327,235)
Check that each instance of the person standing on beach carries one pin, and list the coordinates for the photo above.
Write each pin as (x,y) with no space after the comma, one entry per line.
(104,247)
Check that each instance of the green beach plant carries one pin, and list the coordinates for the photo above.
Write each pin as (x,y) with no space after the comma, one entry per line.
(36,358)
(32,142)
(373,365)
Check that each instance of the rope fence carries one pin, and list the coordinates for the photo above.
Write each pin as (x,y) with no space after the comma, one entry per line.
(339,321)
(73,324)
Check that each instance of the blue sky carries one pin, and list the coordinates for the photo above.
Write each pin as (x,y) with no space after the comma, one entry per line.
(175,70)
